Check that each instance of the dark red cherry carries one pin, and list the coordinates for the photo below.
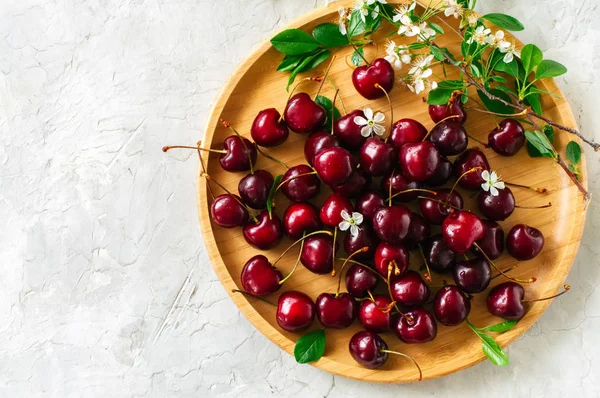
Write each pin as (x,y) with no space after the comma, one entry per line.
(435,212)
(348,131)
(318,141)
(507,138)
(438,255)
(416,326)
(442,173)
(317,254)
(374,316)
(524,242)
(406,131)
(440,112)
(492,242)
(336,312)
(419,161)
(377,157)
(364,238)
(227,212)
(506,301)
(300,218)
(385,253)
(268,129)
(334,165)
(331,210)
(303,115)
(461,229)
(472,276)
(300,189)
(240,152)
(254,188)
(450,306)
(366,78)
(265,233)
(367,348)
(368,203)
(391,223)
(399,184)
(419,230)
(410,289)
(360,280)
(259,277)
(295,311)
(467,160)
(449,137)
(358,183)
(499,207)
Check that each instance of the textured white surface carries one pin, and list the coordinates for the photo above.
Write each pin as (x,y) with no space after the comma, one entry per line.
(100,228)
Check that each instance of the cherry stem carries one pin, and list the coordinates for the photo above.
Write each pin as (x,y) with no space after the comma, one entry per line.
(478,141)
(534,189)
(270,157)
(295,265)
(361,250)
(299,241)
(441,121)
(361,264)
(534,207)
(524,112)
(412,190)
(325,76)
(356,49)
(203,171)
(391,108)
(382,309)
(427,275)
(167,148)
(294,177)
(530,280)
(390,188)
(333,110)
(408,357)
(209,178)
(440,202)
(391,266)
(506,270)
(230,127)
(333,250)
(567,287)
(253,296)
(330,80)
(471,170)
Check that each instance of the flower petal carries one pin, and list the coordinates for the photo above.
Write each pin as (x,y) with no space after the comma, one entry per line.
(365,131)
(379,117)
(378,129)
(485,186)
(485,175)
(360,121)
(368,113)
(354,230)
(345,215)
(500,185)
(344,225)
(493,191)
(358,218)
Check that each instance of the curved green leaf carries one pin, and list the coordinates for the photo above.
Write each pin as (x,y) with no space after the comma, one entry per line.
(495,105)
(573,152)
(500,327)
(294,42)
(531,56)
(310,347)
(549,133)
(356,26)
(328,35)
(439,96)
(329,109)
(504,21)
(549,68)
(356,58)
(493,351)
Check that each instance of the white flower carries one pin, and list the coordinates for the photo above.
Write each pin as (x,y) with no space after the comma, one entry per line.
(492,182)
(495,39)
(371,124)
(421,63)
(419,73)
(363,7)
(473,18)
(509,50)
(426,32)
(396,55)
(480,35)
(342,20)
(403,11)
(351,222)
(453,8)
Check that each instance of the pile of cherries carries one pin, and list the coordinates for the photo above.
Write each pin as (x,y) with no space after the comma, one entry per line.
(371,180)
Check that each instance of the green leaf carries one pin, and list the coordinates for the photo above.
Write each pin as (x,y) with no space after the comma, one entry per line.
(300,68)
(534,101)
(475,70)
(329,108)
(290,62)
(316,60)
(549,68)
(310,347)
(294,42)
(416,46)
(493,351)
(328,35)
(438,29)
(531,56)
(499,79)
(439,96)
(437,53)
(549,133)
(495,105)
(511,68)
(541,143)
(372,24)
(452,84)
(573,152)
(535,90)
(272,192)
(504,21)
(356,58)
(499,327)
(356,25)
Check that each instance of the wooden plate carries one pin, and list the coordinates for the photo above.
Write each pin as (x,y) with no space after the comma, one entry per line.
(255,85)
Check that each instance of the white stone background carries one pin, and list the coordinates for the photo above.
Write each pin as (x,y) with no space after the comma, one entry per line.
(99,228)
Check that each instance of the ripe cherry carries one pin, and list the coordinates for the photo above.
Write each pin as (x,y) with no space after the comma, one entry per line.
(498,207)
(331,210)
(449,137)
(397,255)
(438,255)
(295,311)
(472,276)
(368,349)
(259,277)
(227,211)
(348,131)
(317,254)
(492,242)
(240,154)
(399,184)
(377,157)
(303,115)
(254,188)
(506,300)
(269,129)
(368,203)
(507,138)
(469,159)
(299,183)
(265,232)
(406,131)
(410,289)
(524,242)
(436,212)
(334,165)
(419,230)
(299,218)
(358,183)
(360,280)
(419,161)
(391,223)
(442,173)
(364,238)
(336,311)
(450,306)
(375,316)
(367,78)
(461,229)
(318,141)
(416,326)
(454,108)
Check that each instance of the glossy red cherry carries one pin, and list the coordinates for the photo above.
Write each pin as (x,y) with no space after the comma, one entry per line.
(385,254)
(265,233)
(419,230)
(524,242)
(268,129)
(318,141)
(410,289)
(442,173)
(239,153)
(331,210)
(368,203)
(336,311)
(399,184)
(334,165)
(391,223)
(461,229)
(449,137)
(295,311)
(227,212)
(377,157)
(419,161)
(360,280)
(406,131)
(438,255)
(300,218)
(368,349)
(317,254)
(440,112)
(300,189)
(507,138)
(373,315)
(472,276)
(366,78)
(259,277)
(506,301)
(416,326)
(254,189)
(492,242)
(348,131)
(467,160)
(435,212)
(498,207)
(303,115)
(450,306)
(364,238)
(358,183)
